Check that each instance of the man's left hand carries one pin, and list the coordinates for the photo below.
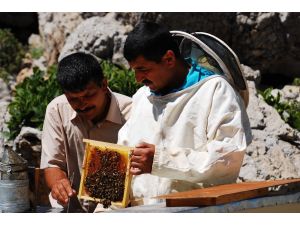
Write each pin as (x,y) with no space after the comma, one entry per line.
(142,158)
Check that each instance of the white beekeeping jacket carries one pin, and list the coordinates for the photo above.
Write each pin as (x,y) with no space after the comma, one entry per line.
(200,134)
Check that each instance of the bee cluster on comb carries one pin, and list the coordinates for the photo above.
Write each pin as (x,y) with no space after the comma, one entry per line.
(105,176)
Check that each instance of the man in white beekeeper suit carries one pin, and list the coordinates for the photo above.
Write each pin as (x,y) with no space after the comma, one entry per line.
(188,125)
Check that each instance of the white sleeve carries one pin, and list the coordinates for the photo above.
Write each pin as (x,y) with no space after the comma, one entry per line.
(218,161)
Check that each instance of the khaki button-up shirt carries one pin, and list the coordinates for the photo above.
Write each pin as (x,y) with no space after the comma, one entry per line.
(64,130)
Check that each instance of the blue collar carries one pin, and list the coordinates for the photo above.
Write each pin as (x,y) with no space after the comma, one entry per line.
(196,73)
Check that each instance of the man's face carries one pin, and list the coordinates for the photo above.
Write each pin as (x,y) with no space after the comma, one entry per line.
(157,76)
(89,103)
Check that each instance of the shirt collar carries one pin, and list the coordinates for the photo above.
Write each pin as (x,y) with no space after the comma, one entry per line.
(113,115)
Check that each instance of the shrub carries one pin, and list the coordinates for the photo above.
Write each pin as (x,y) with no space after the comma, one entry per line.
(119,79)
(11,54)
(31,99)
(288,110)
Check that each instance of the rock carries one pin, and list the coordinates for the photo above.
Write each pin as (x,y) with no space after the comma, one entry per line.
(217,23)
(265,41)
(275,149)
(26,72)
(54,28)
(28,144)
(291,92)
(4,91)
(86,15)
(251,172)
(255,114)
(268,42)
(257,44)
(250,74)
(41,63)
(102,36)
(35,41)
(4,116)
(28,66)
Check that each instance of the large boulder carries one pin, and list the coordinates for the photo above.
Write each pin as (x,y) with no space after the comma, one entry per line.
(54,28)
(102,36)
(268,42)
(275,150)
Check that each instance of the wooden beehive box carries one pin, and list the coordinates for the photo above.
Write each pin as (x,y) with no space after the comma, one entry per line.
(105,173)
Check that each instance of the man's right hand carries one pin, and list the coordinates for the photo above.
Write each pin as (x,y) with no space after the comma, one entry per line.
(62,191)
(59,184)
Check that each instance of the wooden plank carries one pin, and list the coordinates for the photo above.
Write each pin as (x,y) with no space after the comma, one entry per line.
(207,201)
(223,193)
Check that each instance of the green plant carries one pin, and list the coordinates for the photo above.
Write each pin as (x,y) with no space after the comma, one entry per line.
(36,53)
(4,75)
(119,80)
(296,82)
(31,99)
(11,54)
(288,110)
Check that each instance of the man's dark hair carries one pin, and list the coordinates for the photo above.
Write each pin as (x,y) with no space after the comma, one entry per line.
(77,70)
(150,40)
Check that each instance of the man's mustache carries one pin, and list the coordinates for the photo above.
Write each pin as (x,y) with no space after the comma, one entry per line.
(146,82)
(84,110)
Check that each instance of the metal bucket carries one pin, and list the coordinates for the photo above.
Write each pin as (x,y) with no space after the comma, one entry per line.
(14,195)
(14,183)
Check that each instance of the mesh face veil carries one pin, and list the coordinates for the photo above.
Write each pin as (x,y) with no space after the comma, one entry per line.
(215,55)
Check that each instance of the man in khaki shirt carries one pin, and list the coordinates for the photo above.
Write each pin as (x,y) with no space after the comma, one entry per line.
(88,109)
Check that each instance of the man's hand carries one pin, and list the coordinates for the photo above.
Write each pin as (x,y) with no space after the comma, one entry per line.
(59,184)
(61,191)
(142,158)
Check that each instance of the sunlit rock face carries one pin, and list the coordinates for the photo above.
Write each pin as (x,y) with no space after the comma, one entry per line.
(275,149)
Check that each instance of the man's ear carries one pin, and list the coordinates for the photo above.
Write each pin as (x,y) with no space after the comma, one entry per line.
(169,58)
(104,84)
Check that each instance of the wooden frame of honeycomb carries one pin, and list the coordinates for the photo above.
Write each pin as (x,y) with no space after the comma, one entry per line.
(105,174)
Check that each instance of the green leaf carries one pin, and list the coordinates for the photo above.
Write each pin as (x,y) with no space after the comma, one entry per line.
(119,79)
(31,98)
(288,110)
